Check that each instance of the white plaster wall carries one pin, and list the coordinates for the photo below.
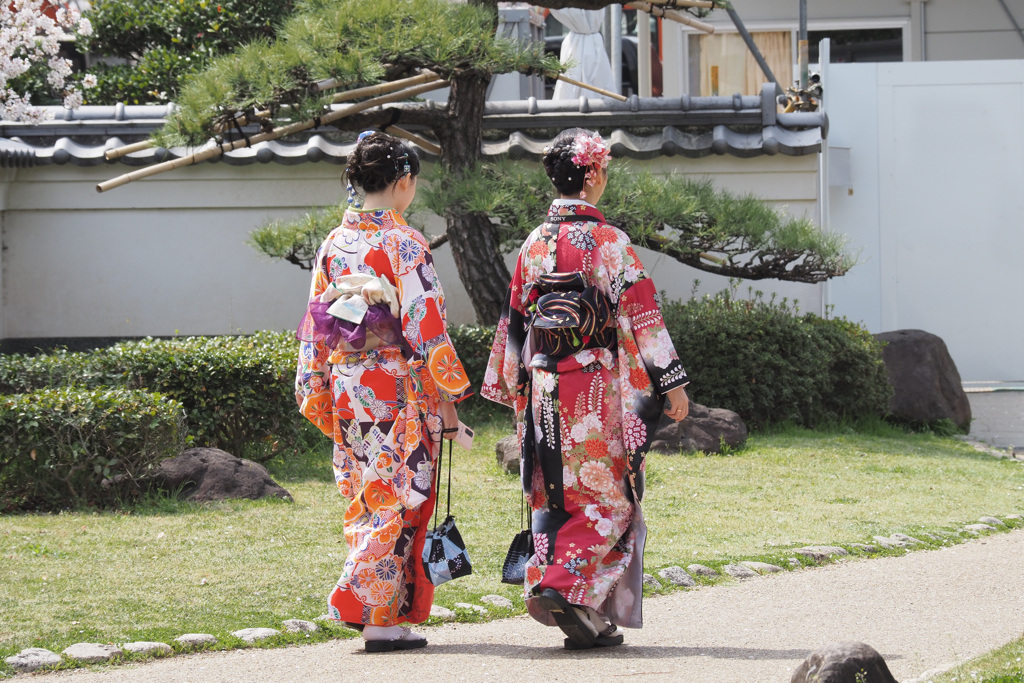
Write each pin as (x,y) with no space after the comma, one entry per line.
(937,156)
(168,255)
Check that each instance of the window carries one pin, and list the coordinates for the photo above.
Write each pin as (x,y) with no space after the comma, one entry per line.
(721,64)
(859,45)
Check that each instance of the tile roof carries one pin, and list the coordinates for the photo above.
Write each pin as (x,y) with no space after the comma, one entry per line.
(742,126)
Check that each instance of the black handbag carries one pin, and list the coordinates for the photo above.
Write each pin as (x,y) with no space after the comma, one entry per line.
(519,553)
(444,552)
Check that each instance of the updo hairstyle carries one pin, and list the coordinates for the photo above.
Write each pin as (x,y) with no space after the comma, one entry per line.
(378,161)
(566,176)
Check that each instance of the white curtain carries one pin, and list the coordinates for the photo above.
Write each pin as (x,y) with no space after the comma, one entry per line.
(584,46)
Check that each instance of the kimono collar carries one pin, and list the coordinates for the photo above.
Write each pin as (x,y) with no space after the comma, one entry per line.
(571,210)
(374,220)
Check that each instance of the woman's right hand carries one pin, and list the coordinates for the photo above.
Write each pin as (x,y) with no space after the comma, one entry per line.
(449,420)
(678,403)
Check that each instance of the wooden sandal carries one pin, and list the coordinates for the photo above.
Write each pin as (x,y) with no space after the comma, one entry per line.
(569,618)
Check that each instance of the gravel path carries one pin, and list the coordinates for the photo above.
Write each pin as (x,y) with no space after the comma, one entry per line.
(924,611)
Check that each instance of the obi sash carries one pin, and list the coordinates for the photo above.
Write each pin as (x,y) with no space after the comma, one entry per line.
(357,313)
(569,316)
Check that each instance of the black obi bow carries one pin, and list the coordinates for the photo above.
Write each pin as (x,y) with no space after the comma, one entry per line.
(569,316)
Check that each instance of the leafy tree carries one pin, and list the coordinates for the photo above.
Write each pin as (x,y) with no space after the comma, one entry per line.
(162,42)
(356,43)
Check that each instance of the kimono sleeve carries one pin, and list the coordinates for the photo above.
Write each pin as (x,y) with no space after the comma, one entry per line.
(502,376)
(313,376)
(649,340)
(424,322)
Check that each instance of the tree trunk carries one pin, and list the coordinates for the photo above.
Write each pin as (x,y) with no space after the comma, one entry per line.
(474,240)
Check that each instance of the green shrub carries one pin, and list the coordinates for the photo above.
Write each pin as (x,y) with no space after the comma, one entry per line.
(770,364)
(20,373)
(237,390)
(74,447)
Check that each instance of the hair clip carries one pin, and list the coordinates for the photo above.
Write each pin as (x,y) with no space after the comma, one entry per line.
(364,134)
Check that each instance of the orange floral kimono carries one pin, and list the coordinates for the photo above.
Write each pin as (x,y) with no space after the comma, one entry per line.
(380,404)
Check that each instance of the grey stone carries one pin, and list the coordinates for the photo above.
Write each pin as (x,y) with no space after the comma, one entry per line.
(471,608)
(906,539)
(738,571)
(979,527)
(704,429)
(33,658)
(701,570)
(507,450)
(863,547)
(441,612)
(497,601)
(1012,516)
(144,647)
(793,562)
(763,567)
(677,576)
(251,635)
(651,582)
(842,663)
(196,639)
(992,521)
(91,653)
(926,384)
(890,543)
(820,553)
(204,474)
(299,626)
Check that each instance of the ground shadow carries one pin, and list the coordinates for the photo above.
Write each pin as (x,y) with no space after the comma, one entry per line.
(625,652)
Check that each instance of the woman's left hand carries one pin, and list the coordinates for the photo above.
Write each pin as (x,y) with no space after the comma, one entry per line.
(678,404)
(449,420)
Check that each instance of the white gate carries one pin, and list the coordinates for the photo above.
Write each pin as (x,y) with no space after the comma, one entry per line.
(934,200)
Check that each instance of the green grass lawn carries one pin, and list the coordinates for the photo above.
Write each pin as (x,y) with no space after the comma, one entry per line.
(164,568)
(1003,665)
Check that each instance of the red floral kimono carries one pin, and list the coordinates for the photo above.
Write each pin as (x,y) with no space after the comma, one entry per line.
(380,406)
(585,418)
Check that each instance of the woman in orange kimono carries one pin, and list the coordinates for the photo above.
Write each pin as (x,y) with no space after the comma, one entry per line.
(582,355)
(378,373)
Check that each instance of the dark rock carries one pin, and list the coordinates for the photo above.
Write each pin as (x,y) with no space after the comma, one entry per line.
(203,474)
(924,378)
(507,450)
(704,429)
(843,662)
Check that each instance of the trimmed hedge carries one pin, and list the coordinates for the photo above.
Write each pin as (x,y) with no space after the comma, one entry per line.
(770,364)
(236,391)
(75,447)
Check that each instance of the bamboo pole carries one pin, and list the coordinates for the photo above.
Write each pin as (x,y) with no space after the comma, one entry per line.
(119,152)
(602,91)
(703,4)
(413,137)
(368,91)
(263,137)
(681,17)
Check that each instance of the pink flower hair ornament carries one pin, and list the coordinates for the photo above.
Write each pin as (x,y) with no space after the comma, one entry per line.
(591,153)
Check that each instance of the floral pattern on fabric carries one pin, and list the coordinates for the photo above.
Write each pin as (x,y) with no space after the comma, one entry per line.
(382,411)
(585,421)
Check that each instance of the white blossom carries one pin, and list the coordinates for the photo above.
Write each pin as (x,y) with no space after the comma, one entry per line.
(28,37)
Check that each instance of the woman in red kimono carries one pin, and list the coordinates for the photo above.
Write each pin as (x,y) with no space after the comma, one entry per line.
(378,374)
(582,355)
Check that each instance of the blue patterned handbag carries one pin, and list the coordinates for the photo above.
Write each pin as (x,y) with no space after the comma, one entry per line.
(444,552)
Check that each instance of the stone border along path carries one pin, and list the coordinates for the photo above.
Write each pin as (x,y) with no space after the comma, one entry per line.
(912,601)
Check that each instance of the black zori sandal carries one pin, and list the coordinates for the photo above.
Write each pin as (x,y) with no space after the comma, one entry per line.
(570,619)
(400,643)
(609,637)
